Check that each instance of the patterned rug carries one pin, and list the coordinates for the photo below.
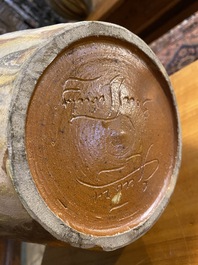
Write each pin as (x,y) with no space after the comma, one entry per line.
(178,47)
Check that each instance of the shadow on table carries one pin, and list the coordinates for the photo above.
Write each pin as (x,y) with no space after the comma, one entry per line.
(75,256)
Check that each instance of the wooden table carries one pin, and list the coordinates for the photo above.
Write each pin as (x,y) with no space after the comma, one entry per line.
(147,19)
(174,238)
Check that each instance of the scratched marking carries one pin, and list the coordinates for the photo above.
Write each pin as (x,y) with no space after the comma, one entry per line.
(76,98)
(146,101)
(62,204)
(93,100)
(141,169)
(105,194)
(110,170)
(118,207)
(129,216)
(107,190)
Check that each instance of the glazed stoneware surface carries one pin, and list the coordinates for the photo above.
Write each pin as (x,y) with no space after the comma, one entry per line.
(101,136)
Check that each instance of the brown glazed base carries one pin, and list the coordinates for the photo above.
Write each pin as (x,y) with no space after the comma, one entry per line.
(101,138)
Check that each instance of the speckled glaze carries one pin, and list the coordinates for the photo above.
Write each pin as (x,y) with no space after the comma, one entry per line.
(101,151)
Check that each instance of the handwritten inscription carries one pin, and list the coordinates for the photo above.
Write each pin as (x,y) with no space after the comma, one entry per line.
(96,100)
(142,174)
(89,98)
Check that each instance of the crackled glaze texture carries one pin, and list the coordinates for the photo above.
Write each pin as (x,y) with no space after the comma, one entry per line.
(101,137)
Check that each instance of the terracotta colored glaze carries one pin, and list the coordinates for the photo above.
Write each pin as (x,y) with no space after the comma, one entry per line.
(101,136)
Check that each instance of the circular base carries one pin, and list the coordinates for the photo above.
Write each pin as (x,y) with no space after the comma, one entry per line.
(100,137)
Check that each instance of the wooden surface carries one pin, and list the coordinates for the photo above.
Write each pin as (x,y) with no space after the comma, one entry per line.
(137,17)
(104,9)
(174,238)
(172,17)
(10,252)
(148,19)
